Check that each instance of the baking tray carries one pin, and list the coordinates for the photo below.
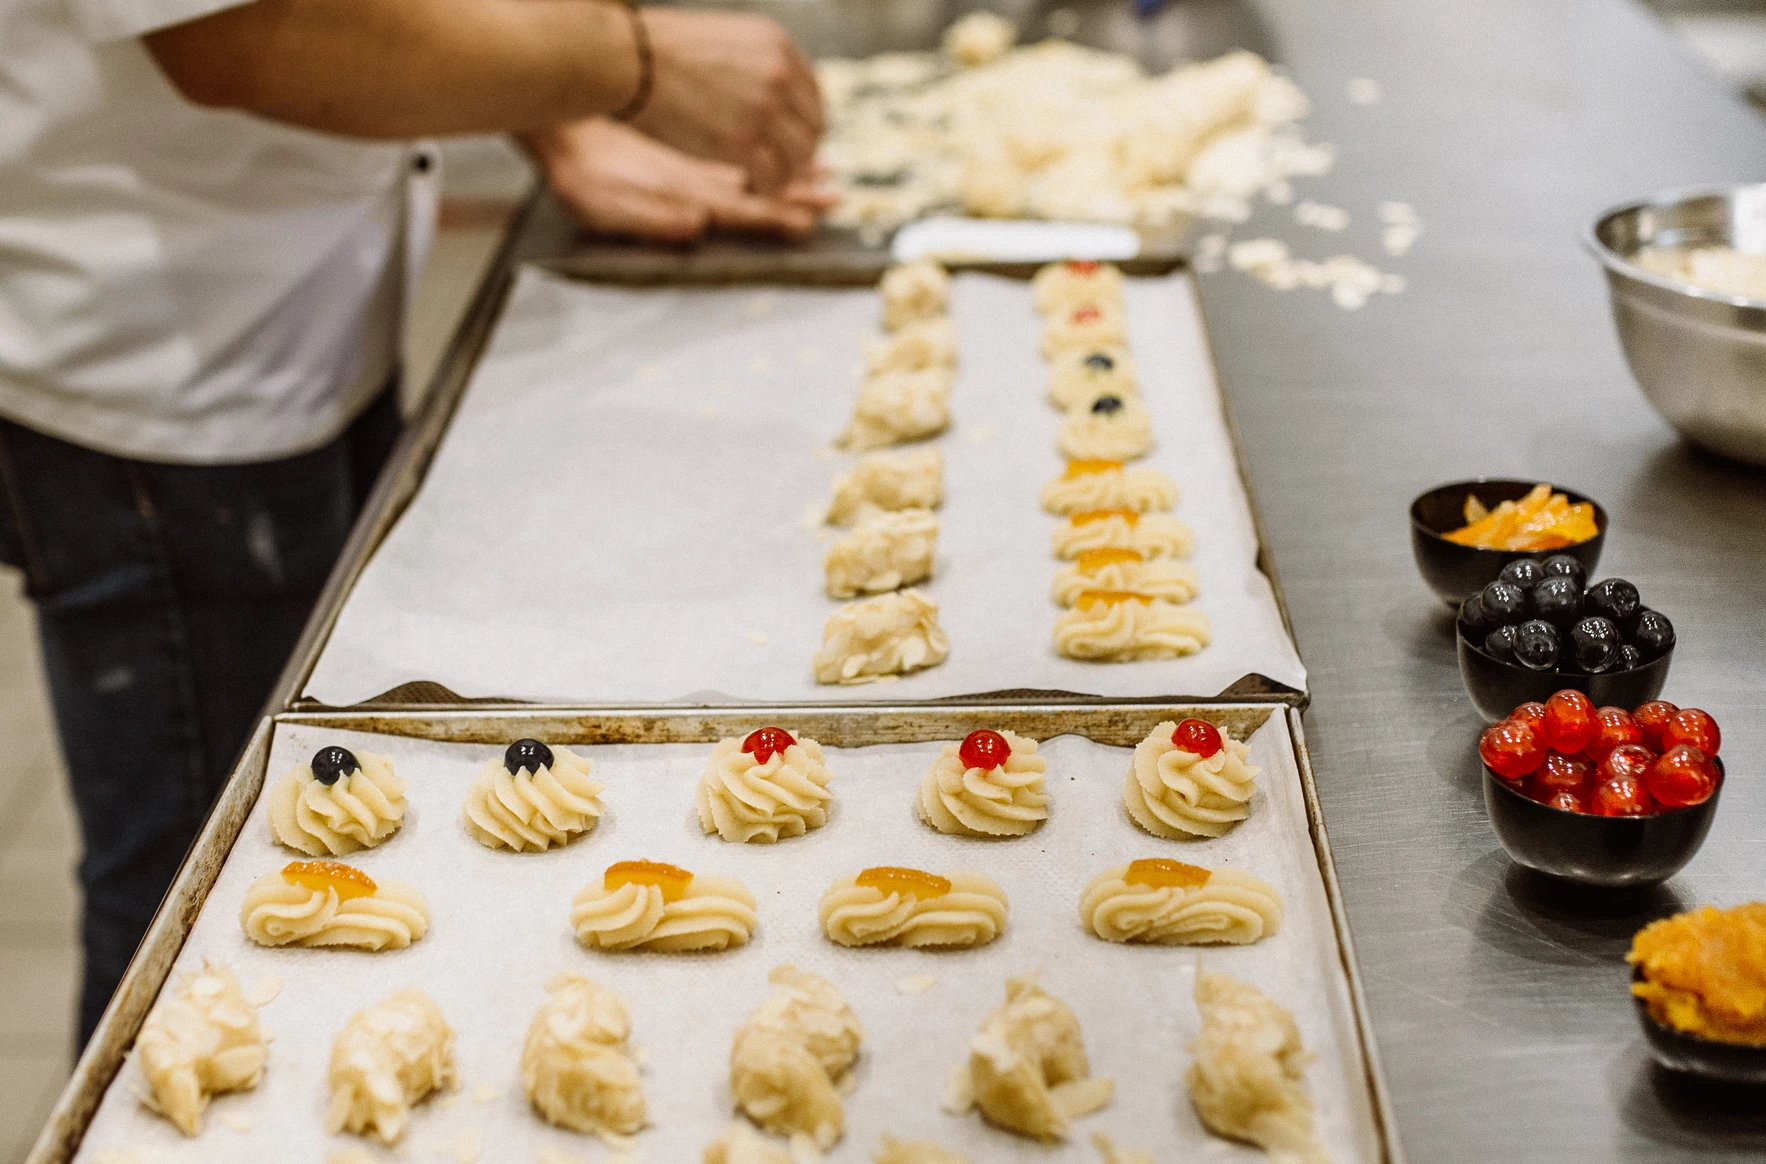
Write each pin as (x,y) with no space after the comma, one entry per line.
(1114,725)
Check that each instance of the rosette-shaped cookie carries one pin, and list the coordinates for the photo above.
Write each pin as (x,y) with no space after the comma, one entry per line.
(1075,281)
(1116,626)
(201,1039)
(1027,1069)
(912,292)
(990,785)
(896,1151)
(1152,535)
(741,1144)
(883,552)
(1089,485)
(576,1066)
(339,803)
(888,906)
(1189,780)
(893,407)
(1083,325)
(1160,901)
(385,1061)
(535,797)
(766,786)
(1246,1070)
(647,905)
(891,634)
(1108,426)
(930,343)
(326,903)
(791,1056)
(908,479)
(1079,374)
(1125,569)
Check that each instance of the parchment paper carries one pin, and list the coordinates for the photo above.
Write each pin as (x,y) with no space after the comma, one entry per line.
(618,512)
(500,930)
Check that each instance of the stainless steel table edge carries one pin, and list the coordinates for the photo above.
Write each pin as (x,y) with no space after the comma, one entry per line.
(1119,724)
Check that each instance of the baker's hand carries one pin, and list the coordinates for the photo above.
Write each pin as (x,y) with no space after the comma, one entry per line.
(615,180)
(734,88)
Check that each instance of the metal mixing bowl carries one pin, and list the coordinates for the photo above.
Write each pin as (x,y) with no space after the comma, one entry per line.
(1700,356)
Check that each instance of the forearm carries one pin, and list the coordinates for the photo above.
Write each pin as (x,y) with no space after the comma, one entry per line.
(406,68)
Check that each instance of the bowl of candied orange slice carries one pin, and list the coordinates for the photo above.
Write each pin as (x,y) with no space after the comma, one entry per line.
(1699,982)
(1462,534)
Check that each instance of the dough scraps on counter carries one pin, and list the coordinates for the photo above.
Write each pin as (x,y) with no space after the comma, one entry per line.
(339,803)
(1114,626)
(885,551)
(891,634)
(1159,901)
(202,1038)
(790,1058)
(1027,1069)
(1199,789)
(1246,1069)
(994,796)
(889,906)
(328,903)
(533,798)
(763,787)
(577,1065)
(386,1060)
(648,905)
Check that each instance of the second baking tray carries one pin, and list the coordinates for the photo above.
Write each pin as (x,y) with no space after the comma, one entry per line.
(500,930)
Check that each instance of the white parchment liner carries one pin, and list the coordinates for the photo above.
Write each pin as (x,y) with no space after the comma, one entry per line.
(501,929)
(617,514)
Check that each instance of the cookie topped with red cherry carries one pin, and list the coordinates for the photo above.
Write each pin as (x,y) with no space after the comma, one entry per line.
(1606,761)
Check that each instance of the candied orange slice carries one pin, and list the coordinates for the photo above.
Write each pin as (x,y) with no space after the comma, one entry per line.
(907,882)
(1091,561)
(1091,515)
(1091,598)
(671,879)
(1542,520)
(1164,873)
(1084,468)
(346,881)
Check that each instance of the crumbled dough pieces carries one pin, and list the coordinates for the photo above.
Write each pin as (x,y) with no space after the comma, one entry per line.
(1109,1153)
(892,634)
(792,1055)
(1246,1071)
(1350,281)
(201,1039)
(884,551)
(576,1065)
(1027,1069)
(909,479)
(386,1060)
(894,1151)
(979,38)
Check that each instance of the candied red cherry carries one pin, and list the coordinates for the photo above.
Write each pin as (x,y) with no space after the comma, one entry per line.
(1083,266)
(1625,796)
(767,742)
(1682,776)
(1694,728)
(1613,728)
(1197,736)
(984,749)
(1511,749)
(1650,719)
(1569,722)
(1087,314)
(1565,799)
(1531,714)
(1627,760)
(1561,773)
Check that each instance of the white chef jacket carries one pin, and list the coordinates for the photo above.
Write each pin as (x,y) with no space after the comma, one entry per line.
(184,284)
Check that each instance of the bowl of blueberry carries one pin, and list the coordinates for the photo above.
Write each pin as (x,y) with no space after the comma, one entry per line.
(1602,796)
(1463,534)
(1539,628)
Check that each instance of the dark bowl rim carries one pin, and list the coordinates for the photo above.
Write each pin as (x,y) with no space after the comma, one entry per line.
(1643,1013)
(1488,657)
(1491,777)
(1600,512)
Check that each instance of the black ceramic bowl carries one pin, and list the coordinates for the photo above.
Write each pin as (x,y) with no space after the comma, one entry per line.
(1456,572)
(1608,852)
(1679,1051)
(1497,688)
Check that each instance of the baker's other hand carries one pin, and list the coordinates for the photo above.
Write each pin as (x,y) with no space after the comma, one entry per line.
(616,180)
(732,88)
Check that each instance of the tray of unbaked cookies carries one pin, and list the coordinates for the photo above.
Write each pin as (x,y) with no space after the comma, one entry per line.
(747,935)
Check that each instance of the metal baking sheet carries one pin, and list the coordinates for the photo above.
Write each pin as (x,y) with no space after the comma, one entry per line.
(618,512)
(499,932)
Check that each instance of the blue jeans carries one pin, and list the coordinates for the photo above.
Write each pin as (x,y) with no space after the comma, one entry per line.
(168,599)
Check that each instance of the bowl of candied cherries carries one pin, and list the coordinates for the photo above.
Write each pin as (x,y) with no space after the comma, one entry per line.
(1602,796)
(1541,627)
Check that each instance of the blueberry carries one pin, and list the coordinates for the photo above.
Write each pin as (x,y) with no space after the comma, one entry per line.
(1474,624)
(1523,572)
(334,763)
(1558,600)
(1107,405)
(1594,644)
(1615,600)
(529,754)
(1536,645)
(1653,635)
(1500,644)
(1504,602)
(1629,658)
(1100,362)
(1566,566)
